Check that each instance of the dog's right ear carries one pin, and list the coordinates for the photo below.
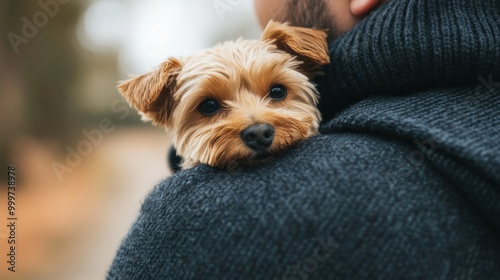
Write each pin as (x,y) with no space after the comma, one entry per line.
(152,93)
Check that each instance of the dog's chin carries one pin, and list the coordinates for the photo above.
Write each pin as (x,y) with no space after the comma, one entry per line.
(264,156)
(261,157)
(257,158)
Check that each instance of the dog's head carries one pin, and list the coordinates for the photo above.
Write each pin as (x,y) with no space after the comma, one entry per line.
(240,101)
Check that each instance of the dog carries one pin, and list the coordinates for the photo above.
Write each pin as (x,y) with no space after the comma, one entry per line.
(239,102)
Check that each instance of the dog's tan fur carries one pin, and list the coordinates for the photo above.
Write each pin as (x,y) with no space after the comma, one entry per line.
(238,74)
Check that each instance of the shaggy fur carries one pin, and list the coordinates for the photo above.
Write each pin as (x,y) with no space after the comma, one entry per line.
(238,75)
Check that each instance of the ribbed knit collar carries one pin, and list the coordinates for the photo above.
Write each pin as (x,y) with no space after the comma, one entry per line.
(408,45)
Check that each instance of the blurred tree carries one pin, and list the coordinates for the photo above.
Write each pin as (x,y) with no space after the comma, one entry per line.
(46,64)
(38,70)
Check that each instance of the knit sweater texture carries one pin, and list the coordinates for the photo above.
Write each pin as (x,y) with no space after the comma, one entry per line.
(403,182)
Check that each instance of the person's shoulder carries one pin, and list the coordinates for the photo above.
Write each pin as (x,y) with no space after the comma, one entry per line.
(326,178)
(331,160)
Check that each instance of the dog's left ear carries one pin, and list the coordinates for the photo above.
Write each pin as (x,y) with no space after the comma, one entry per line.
(309,45)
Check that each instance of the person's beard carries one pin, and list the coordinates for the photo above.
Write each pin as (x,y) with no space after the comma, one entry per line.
(311,14)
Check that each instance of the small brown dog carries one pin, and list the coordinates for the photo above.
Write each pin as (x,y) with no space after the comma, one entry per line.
(239,102)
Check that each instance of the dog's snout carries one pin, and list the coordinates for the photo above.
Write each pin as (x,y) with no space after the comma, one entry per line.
(258,136)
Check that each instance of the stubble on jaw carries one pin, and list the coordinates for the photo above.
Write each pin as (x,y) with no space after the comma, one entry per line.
(309,13)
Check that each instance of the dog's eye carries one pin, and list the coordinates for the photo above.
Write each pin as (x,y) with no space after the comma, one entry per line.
(209,107)
(277,92)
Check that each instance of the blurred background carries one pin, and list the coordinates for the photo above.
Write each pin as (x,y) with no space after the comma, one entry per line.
(84,160)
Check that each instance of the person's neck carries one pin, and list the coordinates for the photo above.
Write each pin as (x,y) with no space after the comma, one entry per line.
(407,45)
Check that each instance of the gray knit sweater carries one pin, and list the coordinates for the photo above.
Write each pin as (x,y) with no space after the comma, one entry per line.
(403,183)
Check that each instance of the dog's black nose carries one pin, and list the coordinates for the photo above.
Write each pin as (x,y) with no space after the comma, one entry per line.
(258,136)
